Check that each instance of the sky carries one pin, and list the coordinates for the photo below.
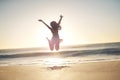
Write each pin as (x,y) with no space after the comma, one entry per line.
(84,22)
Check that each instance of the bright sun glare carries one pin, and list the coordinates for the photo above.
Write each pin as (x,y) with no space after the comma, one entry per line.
(54,61)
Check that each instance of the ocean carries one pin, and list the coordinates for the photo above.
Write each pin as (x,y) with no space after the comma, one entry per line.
(66,56)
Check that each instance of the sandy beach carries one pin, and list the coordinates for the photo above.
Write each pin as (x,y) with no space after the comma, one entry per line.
(109,70)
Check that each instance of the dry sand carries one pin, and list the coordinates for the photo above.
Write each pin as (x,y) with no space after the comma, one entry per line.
(109,70)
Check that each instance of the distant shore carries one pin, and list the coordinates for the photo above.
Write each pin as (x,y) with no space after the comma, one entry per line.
(109,70)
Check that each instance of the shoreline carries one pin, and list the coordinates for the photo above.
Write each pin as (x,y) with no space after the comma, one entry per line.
(79,62)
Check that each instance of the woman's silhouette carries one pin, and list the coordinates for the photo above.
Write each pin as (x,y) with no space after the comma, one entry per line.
(55,40)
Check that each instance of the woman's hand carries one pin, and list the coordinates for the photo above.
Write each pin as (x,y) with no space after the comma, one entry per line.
(61,16)
(40,20)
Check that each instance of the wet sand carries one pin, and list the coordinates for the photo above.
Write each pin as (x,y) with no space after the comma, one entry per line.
(109,70)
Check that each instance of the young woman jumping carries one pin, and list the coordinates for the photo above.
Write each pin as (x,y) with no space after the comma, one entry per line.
(55,40)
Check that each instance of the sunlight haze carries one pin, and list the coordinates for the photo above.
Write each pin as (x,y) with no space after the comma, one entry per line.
(84,22)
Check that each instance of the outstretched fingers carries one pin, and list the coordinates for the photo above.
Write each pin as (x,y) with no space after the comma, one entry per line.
(40,20)
(61,16)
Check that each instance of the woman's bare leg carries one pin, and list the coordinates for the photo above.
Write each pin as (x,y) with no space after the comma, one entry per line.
(57,45)
(51,44)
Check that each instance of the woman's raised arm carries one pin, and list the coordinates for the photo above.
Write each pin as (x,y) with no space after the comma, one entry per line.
(60,19)
(44,23)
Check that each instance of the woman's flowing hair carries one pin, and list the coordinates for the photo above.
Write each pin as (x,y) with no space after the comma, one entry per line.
(55,26)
